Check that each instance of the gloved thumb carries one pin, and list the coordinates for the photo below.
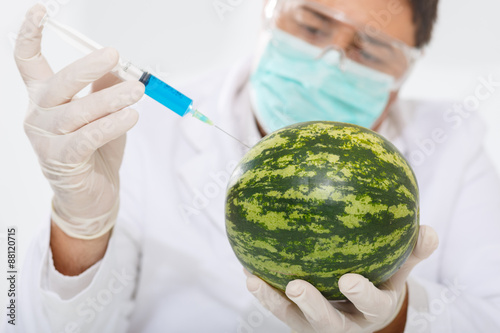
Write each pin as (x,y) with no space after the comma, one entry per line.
(376,305)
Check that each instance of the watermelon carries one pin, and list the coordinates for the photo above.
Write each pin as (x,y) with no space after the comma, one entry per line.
(317,200)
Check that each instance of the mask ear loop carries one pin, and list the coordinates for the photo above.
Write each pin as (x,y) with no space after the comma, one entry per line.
(341,52)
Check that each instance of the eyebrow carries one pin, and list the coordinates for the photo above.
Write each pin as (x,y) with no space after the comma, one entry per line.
(317,14)
(378,42)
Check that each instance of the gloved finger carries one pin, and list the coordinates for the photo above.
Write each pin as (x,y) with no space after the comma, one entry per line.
(108,80)
(91,137)
(276,302)
(322,316)
(65,84)
(427,243)
(83,111)
(375,305)
(27,52)
(114,149)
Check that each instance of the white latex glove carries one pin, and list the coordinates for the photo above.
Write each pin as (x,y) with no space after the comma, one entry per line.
(305,310)
(79,142)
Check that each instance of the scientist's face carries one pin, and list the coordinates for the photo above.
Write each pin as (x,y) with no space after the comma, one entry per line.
(393,18)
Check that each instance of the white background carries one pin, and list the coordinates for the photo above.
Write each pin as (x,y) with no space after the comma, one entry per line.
(181,39)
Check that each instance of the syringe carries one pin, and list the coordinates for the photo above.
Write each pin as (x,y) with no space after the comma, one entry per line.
(125,70)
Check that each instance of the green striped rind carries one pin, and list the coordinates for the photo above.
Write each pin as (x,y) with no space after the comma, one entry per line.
(316,200)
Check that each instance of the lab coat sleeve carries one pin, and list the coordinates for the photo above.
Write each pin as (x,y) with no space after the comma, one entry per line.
(466,298)
(101,299)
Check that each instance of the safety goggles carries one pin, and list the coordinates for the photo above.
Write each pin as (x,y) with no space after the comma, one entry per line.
(331,30)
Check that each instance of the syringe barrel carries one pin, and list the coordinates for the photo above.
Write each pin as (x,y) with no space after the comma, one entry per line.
(125,70)
(166,95)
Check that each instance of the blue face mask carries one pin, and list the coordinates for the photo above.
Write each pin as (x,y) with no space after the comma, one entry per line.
(290,86)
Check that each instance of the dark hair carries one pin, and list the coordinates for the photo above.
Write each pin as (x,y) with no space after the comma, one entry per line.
(425,13)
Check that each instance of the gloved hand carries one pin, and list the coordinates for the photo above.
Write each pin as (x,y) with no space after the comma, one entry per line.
(305,310)
(79,141)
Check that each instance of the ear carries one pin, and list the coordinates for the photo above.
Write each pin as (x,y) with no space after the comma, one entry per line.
(264,6)
(267,5)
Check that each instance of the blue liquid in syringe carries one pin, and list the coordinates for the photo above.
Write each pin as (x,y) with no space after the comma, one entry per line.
(166,95)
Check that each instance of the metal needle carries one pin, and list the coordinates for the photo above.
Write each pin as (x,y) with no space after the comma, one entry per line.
(220,129)
(200,116)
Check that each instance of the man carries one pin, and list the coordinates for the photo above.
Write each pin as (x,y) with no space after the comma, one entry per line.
(144,250)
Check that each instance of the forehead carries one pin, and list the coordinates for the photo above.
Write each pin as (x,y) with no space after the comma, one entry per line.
(393,17)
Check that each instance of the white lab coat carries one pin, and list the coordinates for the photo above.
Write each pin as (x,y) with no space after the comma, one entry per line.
(170,268)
